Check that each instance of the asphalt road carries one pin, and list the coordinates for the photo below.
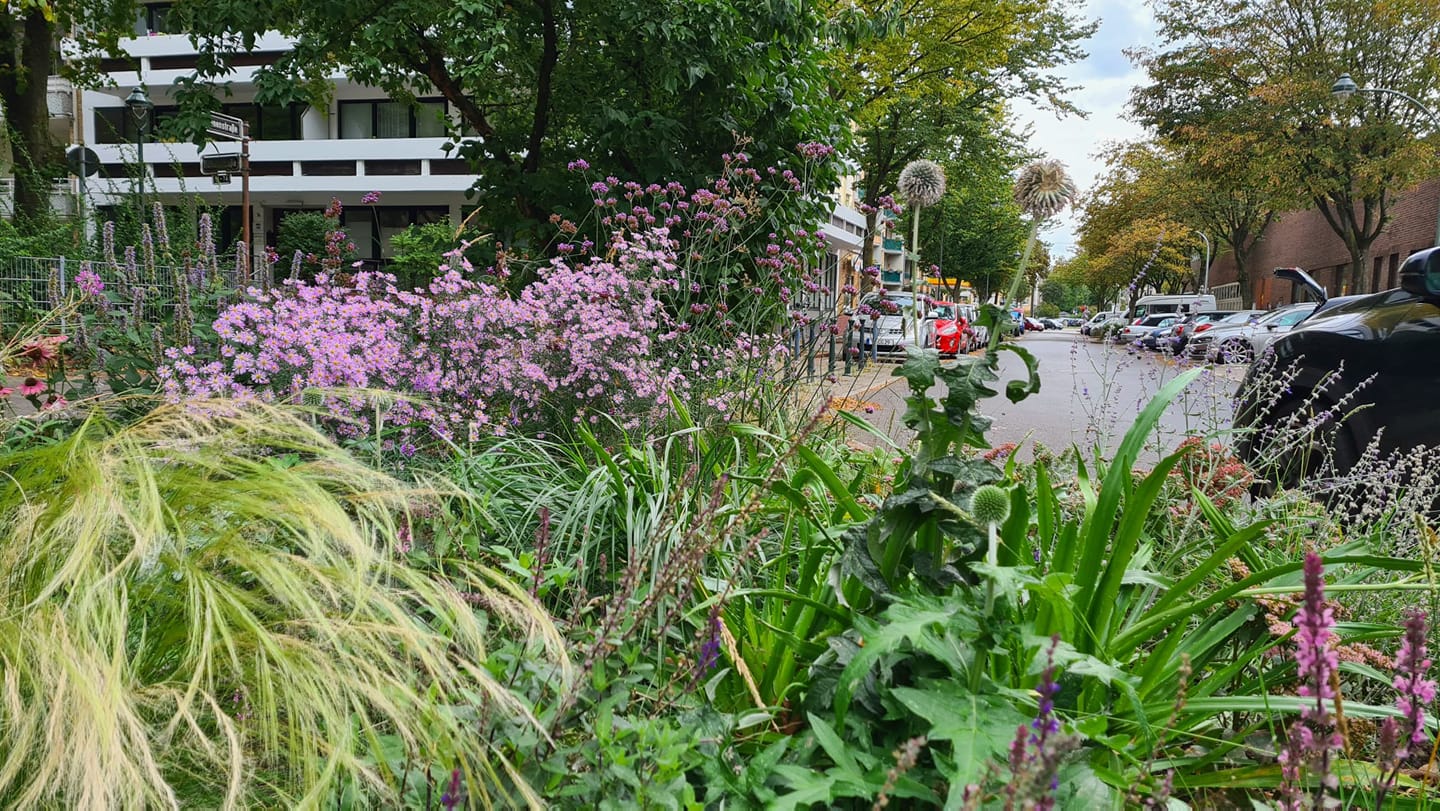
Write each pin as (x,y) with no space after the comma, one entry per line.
(1089,395)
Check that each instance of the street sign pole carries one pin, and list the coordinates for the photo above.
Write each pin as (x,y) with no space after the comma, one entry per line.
(232,128)
(245,194)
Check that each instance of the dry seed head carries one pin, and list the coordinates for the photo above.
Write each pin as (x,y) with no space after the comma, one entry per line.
(922,183)
(1043,189)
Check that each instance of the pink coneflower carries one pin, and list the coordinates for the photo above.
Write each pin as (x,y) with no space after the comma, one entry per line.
(32,386)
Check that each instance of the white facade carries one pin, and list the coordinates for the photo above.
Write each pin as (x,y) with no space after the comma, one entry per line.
(296,164)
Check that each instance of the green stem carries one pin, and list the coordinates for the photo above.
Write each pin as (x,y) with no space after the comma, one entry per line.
(915,279)
(1015,282)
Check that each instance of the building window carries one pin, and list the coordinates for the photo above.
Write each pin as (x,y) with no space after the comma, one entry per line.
(371,228)
(269,122)
(1394,271)
(393,119)
(116,125)
(158,18)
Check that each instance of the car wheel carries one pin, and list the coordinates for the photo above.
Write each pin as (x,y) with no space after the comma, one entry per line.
(1234,352)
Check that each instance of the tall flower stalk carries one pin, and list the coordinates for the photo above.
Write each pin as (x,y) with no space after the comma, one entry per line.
(1413,692)
(922,182)
(1313,737)
(1042,190)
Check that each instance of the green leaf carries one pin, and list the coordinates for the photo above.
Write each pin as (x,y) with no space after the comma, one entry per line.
(980,728)
(1017,390)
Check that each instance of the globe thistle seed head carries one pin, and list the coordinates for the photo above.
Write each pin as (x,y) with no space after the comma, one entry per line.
(990,505)
(1043,189)
(922,183)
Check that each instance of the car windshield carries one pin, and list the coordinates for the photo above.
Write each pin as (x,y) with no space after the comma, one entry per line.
(944,312)
(1239,318)
(1283,317)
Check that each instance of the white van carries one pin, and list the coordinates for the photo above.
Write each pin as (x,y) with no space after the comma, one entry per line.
(1183,304)
(892,311)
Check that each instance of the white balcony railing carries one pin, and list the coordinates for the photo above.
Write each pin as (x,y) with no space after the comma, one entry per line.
(62,203)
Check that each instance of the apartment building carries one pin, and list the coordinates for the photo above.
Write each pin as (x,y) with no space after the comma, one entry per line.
(300,156)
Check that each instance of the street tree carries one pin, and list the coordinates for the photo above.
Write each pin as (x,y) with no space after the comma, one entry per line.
(650,91)
(1264,70)
(939,73)
(1147,252)
(29,37)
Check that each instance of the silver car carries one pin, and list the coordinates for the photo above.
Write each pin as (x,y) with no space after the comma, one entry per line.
(1242,342)
(1144,326)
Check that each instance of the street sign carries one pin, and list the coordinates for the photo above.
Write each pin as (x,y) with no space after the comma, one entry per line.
(82,161)
(228,163)
(226,126)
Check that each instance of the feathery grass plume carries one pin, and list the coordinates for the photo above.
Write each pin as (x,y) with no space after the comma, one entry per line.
(152,573)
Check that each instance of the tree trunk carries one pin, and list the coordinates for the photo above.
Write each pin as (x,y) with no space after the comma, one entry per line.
(22,90)
(867,255)
(1242,275)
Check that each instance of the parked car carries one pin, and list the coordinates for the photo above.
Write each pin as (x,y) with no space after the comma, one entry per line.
(887,318)
(1143,326)
(1033,324)
(1052,323)
(1159,339)
(1196,347)
(1388,341)
(1242,343)
(949,329)
(979,335)
(1197,323)
(1097,320)
(1072,321)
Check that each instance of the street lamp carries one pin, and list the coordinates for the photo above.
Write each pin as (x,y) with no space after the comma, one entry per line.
(1205,286)
(1345,87)
(140,109)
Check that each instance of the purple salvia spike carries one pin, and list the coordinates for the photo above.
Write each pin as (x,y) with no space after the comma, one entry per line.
(162,230)
(147,244)
(131,272)
(108,243)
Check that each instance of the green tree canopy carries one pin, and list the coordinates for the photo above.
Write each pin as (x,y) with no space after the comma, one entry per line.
(976,232)
(651,91)
(936,74)
(1254,78)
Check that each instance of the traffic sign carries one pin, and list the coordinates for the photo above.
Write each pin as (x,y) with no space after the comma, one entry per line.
(82,161)
(226,126)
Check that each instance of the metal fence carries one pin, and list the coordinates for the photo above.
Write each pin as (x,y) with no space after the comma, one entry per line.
(32,286)
(1227,296)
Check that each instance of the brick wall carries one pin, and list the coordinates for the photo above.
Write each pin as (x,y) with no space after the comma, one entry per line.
(1304,239)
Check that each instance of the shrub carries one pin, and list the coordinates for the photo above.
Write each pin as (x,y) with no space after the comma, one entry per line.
(302,232)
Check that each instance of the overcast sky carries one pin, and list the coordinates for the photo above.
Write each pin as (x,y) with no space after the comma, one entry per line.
(1103,80)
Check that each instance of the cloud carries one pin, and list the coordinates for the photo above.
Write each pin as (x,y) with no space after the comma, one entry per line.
(1103,81)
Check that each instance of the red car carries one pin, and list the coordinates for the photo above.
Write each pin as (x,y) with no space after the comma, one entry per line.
(951,330)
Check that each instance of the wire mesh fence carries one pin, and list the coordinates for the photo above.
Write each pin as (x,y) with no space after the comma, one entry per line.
(33,286)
